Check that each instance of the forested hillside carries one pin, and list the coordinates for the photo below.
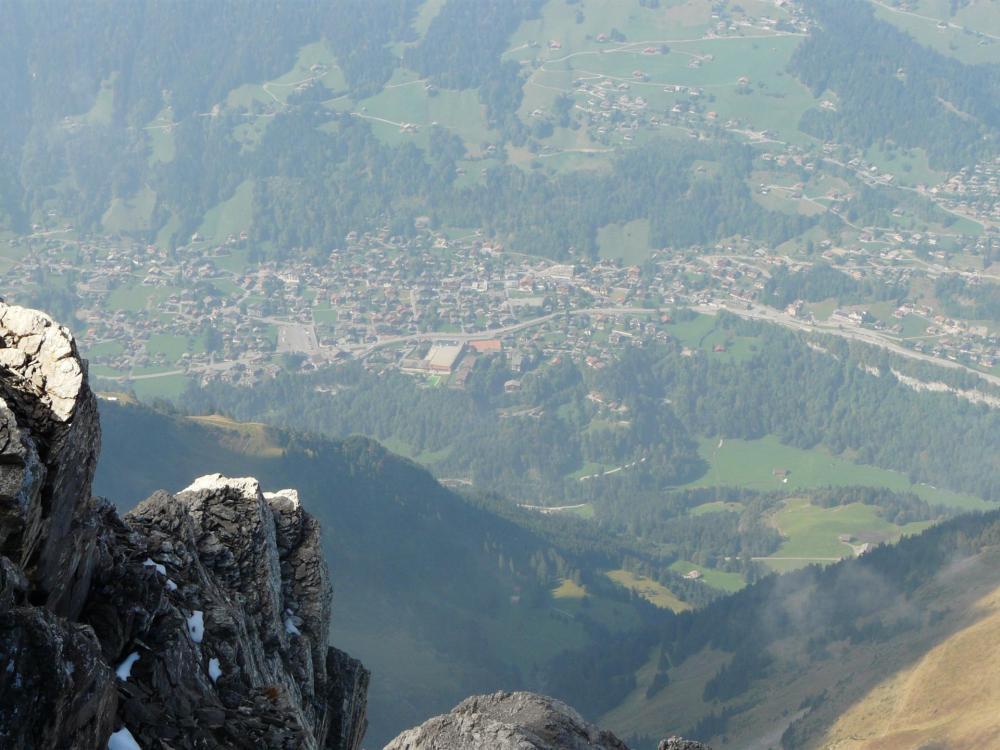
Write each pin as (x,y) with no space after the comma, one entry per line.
(891,87)
(781,386)
(793,652)
(440,597)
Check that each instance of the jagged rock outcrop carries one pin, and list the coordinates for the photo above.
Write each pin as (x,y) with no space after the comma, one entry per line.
(677,743)
(199,620)
(515,721)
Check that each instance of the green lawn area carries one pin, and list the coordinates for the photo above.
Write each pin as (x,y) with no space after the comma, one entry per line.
(812,532)
(914,325)
(692,332)
(170,345)
(703,332)
(528,636)
(130,214)
(105,348)
(324,315)
(750,463)
(276,92)
(230,217)
(629,242)
(822,310)
(568,589)
(427,457)
(717,579)
(408,101)
(774,101)
(650,590)
(102,111)
(137,297)
(909,166)
(168,232)
(169,387)
(160,132)
(718,506)
(960,43)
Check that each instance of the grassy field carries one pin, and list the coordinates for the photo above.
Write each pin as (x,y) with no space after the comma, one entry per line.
(169,387)
(137,297)
(160,132)
(628,242)
(275,93)
(130,214)
(650,590)
(230,217)
(408,101)
(964,43)
(910,167)
(249,438)
(813,532)
(105,348)
(427,458)
(717,579)
(170,345)
(704,333)
(750,464)
(569,589)
(718,506)
(879,694)
(103,109)
(957,682)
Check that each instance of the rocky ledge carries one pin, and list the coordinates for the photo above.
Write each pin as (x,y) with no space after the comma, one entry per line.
(199,620)
(516,721)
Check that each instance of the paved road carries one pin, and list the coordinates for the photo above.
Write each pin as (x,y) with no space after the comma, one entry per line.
(756,312)
(366,349)
(864,335)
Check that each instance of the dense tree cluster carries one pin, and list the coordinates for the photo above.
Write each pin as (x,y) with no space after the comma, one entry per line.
(890,88)
(961,298)
(820,282)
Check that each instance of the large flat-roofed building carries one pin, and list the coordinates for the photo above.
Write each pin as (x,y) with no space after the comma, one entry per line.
(442,357)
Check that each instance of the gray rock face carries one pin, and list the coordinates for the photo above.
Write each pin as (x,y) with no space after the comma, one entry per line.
(199,620)
(50,441)
(676,743)
(515,721)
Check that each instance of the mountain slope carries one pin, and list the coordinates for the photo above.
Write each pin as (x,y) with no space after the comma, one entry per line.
(949,698)
(799,659)
(438,597)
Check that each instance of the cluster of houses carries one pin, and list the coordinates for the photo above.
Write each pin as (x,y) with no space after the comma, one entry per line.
(974,191)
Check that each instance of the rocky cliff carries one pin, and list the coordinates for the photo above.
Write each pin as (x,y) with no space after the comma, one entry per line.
(199,620)
(516,721)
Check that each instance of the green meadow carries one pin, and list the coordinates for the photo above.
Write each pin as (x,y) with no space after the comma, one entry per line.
(752,464)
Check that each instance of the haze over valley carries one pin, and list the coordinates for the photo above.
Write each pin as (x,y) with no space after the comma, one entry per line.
(644,354)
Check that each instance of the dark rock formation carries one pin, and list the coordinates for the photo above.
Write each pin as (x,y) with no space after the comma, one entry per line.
(515,721)
(198,621)
(676,743)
